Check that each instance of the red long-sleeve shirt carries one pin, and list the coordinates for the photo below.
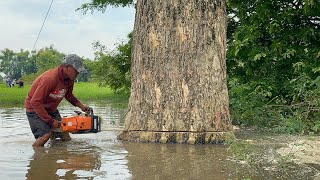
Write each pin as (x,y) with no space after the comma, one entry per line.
(47,91)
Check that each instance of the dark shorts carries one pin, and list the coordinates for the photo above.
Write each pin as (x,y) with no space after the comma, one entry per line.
(38,126)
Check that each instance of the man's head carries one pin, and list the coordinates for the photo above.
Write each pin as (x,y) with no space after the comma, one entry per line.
(73,66)
(75,61)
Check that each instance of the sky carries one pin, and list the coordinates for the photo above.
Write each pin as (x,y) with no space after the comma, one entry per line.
(67,30)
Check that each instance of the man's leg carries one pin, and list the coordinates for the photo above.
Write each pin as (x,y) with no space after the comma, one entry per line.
(42,140)
(40,129)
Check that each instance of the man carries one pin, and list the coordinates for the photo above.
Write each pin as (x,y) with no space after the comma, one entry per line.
(45,94)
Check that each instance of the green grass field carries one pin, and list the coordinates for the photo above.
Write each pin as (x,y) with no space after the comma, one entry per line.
(14,97)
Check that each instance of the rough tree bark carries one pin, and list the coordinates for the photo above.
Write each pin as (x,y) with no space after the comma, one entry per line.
(179,89)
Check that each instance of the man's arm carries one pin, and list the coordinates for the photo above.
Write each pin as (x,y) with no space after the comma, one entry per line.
(74,101)
(83,107)
(43,89)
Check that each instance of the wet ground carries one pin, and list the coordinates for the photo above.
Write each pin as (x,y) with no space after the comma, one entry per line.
(102,156)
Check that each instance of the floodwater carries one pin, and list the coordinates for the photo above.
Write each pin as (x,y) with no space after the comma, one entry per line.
(102,156)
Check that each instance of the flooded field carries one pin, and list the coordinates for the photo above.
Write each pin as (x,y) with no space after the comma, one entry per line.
(102,156)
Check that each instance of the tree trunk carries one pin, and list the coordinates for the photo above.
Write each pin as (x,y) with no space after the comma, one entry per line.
(179,88)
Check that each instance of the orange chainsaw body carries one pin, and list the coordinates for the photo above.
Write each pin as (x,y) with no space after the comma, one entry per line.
(76,123)
(81,123)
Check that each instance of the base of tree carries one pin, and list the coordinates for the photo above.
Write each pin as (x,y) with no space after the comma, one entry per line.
(177,137)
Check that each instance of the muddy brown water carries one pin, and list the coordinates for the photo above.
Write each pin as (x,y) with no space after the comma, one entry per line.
(102,156)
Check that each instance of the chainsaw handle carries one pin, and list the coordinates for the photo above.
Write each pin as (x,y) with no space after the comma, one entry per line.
(78,112)
(91,111)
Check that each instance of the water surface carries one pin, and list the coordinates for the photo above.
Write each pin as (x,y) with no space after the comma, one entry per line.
(102,156)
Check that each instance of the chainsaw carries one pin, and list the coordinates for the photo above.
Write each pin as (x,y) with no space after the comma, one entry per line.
(80,123)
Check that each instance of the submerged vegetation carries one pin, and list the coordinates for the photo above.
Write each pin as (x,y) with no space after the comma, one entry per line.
(280,154)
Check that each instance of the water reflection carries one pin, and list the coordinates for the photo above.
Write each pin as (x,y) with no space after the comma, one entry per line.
(87,156)
(102,156)
(61,162)
(180,161)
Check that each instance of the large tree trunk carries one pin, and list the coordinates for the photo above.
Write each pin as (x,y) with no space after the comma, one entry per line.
(179,91)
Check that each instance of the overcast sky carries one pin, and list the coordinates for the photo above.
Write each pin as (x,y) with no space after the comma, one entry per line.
(69,31)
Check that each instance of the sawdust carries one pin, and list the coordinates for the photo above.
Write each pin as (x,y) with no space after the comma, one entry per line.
(303,150)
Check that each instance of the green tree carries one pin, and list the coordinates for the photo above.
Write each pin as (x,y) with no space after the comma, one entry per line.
(273,58)
(41,61)
(101,5)
(23,63)
(113,69)
(30,65)
(274,42)
(12,63)
(6,61)
(48,58)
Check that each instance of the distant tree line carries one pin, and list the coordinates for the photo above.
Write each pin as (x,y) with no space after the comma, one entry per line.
(28,65)
(108,68)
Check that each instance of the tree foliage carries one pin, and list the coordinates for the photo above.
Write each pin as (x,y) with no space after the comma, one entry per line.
(41,61)
(274,45)
(28,66)
(48,58)
(275,41)
(11,63)
(101,5)
(113,69)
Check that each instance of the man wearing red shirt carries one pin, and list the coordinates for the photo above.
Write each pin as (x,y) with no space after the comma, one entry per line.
(45,94)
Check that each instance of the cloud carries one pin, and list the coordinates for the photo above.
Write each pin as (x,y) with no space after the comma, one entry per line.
(67,30)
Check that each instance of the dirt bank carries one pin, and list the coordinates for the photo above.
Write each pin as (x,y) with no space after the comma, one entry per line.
(303,150)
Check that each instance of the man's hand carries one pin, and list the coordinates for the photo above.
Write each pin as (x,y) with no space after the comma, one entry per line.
(56,124)
(85,109)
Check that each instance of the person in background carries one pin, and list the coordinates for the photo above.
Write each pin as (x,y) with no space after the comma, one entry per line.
(9,82)
(21,83)
(46,93)
(13,82)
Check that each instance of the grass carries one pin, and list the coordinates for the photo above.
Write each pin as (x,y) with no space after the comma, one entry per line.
(88,91)
(12,97)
